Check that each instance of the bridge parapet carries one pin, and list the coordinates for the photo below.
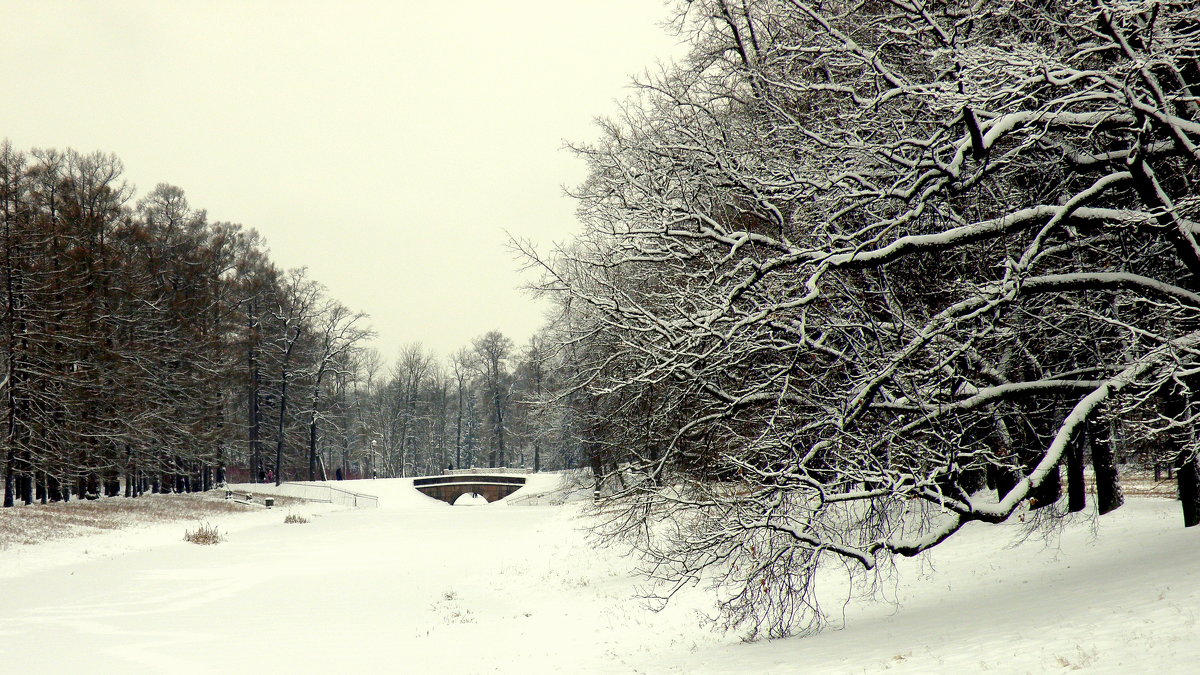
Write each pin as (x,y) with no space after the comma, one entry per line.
(450,487)
(488,470)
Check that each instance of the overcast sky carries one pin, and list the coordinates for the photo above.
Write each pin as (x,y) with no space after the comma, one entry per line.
(385,145)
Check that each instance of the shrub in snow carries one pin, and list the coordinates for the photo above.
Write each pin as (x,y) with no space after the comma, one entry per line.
(204,534)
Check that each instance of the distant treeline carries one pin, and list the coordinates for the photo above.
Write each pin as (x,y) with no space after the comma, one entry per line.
(148,349)
(135,331)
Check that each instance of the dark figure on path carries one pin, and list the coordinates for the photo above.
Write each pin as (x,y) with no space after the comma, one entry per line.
(262,476)
(449,467)
(338,473)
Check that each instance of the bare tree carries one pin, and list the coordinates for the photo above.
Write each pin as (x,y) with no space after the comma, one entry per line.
(293,310)
(462,364)
(852,263)
(493,350)
(338,333)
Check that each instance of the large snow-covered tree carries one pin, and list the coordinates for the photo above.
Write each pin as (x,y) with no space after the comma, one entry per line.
(851,263)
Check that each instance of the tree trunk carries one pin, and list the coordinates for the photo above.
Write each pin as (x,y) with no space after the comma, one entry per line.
(27,488)
(252,396)
(458,429)
(312,444)
(1076,489)
(499,427)
(10,487)
(279,432)
(1109,496)
(1189,489)
(597,472)
(1003,478)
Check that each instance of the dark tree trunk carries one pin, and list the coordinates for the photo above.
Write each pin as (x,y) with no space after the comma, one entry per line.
(279,433)
(597,464)
(1076,489)
(1003,478)
(972,481)
(1182,459)
(458,429)
(1109,496)
(256,463)
(312,446)
(1048,492)
(1188,481)
(499,427)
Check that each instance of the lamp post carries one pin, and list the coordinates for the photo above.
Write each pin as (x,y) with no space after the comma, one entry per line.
(374,445)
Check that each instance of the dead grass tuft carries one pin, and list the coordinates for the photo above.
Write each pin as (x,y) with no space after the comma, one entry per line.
(204,534)
(293,518)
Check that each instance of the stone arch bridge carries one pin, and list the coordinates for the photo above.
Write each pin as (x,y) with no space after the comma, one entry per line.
(492,487)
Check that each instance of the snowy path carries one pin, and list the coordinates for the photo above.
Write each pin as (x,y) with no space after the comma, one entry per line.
(479,589)
(417,586)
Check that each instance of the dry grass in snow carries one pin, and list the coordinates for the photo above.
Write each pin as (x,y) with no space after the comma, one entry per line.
(204,534)
(39,523)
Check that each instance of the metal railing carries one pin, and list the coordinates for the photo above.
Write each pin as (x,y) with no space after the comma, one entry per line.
(315,493)
(463,479)
(488,470)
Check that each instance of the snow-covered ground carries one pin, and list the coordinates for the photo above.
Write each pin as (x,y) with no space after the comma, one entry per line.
(418,586)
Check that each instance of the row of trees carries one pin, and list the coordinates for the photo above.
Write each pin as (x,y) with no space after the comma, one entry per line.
(857,273)
(485,405)
(148,349)
(145,348)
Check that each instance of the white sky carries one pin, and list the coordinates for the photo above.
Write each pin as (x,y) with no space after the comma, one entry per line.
(386,145)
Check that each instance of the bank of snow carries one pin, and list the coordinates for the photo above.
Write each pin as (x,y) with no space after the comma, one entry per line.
(417,585)
(129,529)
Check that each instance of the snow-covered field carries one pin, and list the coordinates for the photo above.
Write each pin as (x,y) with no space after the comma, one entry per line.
(418,586)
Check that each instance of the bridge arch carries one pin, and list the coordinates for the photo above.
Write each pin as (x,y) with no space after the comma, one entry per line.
(450,487)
